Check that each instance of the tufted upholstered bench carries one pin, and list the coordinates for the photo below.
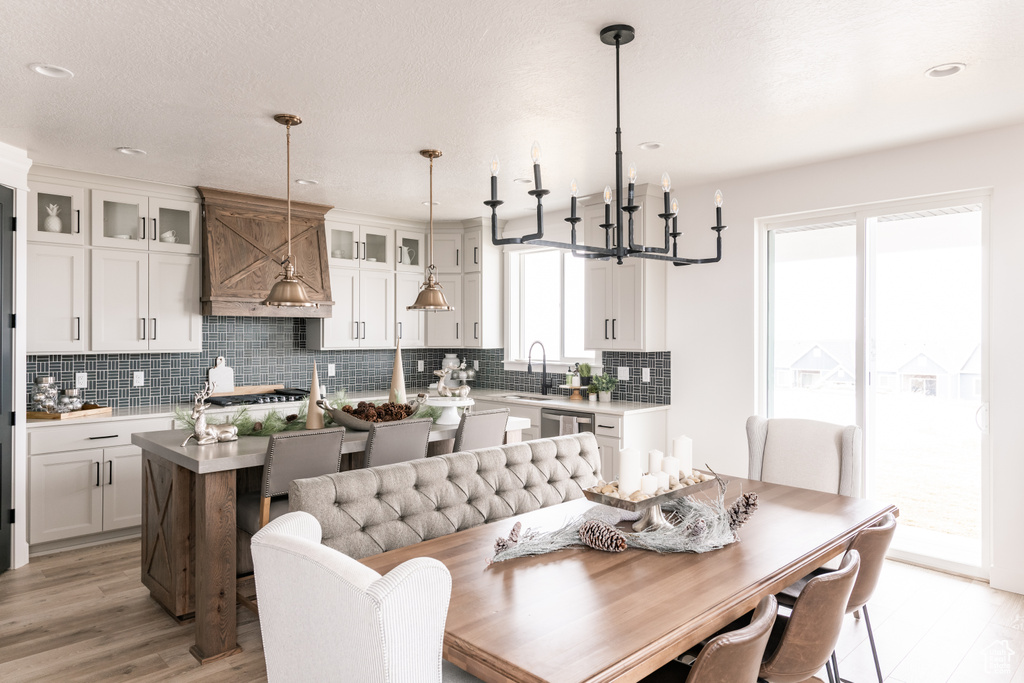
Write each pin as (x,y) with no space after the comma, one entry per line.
(373,510)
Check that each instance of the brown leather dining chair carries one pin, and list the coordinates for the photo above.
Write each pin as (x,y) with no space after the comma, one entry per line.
(872,544)
(484,429)
(391,442)
(802,642)
(290,455)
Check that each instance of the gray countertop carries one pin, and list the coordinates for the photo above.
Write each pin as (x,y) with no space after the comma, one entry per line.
(250,451)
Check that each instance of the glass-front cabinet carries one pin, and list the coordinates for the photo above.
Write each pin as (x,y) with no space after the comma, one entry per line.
(410,250)
(360,246)
(55,214)
(131,221)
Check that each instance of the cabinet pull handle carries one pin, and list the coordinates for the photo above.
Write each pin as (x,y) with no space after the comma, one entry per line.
(456,330)
(78,221)
(143,221)
(364,251)
(364,330)
(110,473)
(143,328)
(108,436)
(356,334)
(78,328)
(613,328)
(476,262)
(456,257)
(476,327)
(154,230)
(152,334)
(97,472)
(606,426)
(399,254)
(606,328)
(399,330)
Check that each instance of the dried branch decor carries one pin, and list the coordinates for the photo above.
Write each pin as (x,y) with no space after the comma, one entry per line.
(698,526)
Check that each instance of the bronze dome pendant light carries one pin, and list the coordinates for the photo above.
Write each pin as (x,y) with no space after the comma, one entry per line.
(625,247)
(431,298)
(288,291)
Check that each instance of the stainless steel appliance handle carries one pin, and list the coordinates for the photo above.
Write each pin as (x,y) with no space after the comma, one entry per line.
(579,420)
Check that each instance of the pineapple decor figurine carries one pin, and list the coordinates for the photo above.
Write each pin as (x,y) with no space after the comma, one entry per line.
(52,223)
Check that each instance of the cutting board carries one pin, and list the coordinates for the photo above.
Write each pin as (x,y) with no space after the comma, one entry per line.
(221,377)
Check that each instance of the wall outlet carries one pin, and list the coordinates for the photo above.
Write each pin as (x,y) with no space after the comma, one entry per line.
(645,375)
(419,366)
(623,374)
(81,380)
(330,369)
(476,365)
(138,378)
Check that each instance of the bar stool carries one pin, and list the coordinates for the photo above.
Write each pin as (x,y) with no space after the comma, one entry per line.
(484,429)
(391,442)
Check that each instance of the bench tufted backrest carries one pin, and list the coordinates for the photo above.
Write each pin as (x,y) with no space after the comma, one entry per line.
(369,511)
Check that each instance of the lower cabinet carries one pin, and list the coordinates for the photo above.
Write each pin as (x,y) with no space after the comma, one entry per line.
(84,492)
(609,449)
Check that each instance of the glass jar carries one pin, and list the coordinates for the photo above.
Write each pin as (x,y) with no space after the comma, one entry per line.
(72,398)
(44,394)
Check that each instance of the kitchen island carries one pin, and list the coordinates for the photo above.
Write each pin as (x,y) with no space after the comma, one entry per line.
(188,523)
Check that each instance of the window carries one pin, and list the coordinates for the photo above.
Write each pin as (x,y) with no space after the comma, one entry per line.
(546,290)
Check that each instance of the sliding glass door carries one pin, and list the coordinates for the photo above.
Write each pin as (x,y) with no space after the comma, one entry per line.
(876,318)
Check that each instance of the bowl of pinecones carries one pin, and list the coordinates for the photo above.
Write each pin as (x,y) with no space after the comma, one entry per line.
(360,416)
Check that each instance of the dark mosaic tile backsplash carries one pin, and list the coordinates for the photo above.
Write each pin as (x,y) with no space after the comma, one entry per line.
(273,351)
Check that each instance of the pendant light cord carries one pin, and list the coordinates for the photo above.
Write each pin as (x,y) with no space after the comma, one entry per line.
(288,156)
(431,214)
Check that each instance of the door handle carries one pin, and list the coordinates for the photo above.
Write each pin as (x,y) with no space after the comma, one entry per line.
(606,328)
(613,328)
(152,331)
(78,221)
(143,320)
(154,229)
(78,329)
(97,463)
(110,473)
(143,221)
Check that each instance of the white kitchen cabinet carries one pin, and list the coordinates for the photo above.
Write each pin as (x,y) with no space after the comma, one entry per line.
(65,495)
(624,308)
(363,315)
(121,477)
(609,450)
(411,325)
(124,220)
(143,302)
(447,256)
(472,313)
(474,257)
(360,246)
(410,251)
(56,299)
(444,328)
(66,203)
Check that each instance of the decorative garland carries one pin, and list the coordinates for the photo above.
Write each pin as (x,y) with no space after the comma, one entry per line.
(697,527)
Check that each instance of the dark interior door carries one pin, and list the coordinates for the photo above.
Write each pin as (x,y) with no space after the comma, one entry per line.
(6,372)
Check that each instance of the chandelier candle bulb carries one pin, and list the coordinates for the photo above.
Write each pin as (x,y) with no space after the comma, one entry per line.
(632,182)
(535,155)
(494,179)
(654,459)
(648,484)
(718,208)
(682,449)
(630,471)
(670,466)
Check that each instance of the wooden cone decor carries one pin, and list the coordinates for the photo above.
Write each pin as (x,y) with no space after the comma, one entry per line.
(397,394)
(314,414)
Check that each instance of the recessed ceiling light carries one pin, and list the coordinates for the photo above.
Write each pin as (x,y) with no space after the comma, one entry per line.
(307,181)
(428,203)
(51,70)
(652,145)
(523,181)
(131,151)
(943,70)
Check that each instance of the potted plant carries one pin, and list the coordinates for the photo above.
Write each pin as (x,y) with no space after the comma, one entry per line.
(584,369)
(604,385)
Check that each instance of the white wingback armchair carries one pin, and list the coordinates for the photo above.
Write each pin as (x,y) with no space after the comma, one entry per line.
(805,453)
(327,617)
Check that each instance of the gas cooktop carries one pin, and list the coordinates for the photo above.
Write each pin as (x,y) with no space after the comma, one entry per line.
(279,396)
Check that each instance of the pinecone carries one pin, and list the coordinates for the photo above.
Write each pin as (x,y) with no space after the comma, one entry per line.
(602,536)
(503,544)
(697,529)
(741,510)
(514,535)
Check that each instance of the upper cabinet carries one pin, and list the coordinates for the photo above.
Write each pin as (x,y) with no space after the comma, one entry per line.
(410,251)
(360,246)
(124,220)
(56,214)
(447,256)
(56,299)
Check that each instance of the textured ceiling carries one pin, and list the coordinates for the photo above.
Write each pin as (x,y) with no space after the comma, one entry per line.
(729,87)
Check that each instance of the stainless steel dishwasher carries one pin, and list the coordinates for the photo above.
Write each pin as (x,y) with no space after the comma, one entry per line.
(551,421)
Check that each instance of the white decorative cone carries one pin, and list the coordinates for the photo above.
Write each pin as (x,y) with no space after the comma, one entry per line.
(397,394)
(314,414)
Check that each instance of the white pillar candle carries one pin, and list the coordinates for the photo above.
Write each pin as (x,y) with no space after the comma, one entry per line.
(649,484)
(682,449)
(662,479)
(670,466)
(630,470)
(654,461)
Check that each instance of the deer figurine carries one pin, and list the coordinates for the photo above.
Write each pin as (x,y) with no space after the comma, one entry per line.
(203,433)
(443,390)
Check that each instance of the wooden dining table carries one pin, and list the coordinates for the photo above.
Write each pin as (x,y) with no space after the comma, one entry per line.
(587,615)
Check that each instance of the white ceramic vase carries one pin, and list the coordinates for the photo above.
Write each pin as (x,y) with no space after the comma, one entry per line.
(606,396)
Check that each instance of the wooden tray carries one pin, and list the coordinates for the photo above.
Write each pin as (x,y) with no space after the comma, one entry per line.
(92,412)
(639,506)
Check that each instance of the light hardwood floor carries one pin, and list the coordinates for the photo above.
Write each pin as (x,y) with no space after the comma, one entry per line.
(83,615)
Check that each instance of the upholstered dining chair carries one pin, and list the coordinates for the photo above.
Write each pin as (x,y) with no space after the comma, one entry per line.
(325,616)
(803,641)
(391,442)
(805,453)
(482,429)
(872,544)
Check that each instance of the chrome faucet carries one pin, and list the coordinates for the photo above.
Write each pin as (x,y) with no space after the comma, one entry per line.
(544,385)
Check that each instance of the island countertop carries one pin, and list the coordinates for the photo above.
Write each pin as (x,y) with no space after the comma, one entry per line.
(250,451)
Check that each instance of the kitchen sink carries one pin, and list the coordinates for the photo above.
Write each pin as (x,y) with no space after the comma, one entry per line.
(529,398)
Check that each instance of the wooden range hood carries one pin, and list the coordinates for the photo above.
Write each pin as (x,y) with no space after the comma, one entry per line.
(245,237)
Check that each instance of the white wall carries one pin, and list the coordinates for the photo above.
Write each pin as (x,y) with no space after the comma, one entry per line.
(712,317)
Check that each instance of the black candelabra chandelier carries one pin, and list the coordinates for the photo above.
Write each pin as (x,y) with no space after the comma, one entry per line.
(617,35)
